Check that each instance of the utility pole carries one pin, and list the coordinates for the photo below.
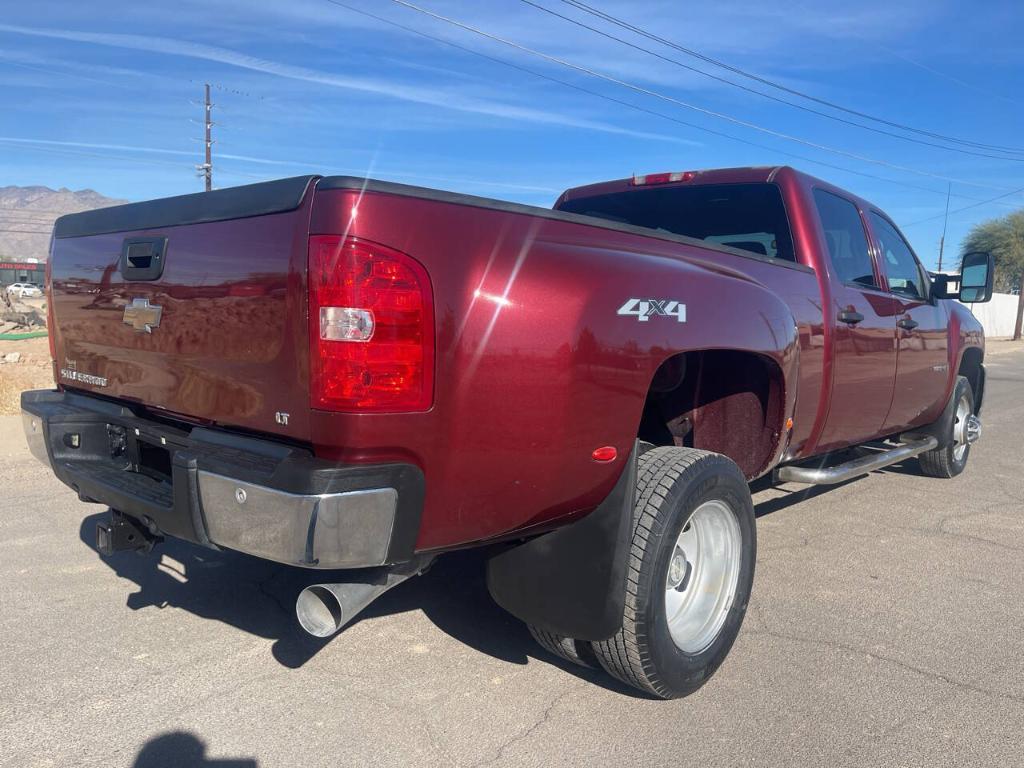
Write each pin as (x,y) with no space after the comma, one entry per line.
(206,169)
(945,221)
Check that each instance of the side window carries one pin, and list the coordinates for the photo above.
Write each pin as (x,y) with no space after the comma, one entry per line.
(847,243)
(901,268)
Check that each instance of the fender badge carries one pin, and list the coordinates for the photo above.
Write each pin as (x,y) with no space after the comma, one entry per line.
(142,316)
(644,309)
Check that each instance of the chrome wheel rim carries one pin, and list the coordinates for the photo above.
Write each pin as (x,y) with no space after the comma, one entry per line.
(703,572)
(960,428)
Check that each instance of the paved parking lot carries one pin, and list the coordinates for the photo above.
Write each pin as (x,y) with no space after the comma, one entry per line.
(887,628)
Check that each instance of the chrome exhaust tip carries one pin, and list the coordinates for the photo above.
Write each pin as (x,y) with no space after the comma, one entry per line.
(324,609)
(319,611)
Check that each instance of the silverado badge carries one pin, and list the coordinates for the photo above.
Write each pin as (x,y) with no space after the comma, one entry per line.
(143,316)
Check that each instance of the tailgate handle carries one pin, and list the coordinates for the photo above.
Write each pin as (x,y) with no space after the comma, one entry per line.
(142,258)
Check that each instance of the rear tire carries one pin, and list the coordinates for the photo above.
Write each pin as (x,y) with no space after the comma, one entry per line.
(576,651)
(950,461)
(689,575)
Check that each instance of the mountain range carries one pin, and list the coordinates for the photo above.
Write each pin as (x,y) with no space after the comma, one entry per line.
(27,215)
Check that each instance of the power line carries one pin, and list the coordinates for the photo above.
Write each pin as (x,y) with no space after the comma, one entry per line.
(946,75)
(681,103)
(65,74)
(765,81)
(228,89)
(945,226)
(755,91)
(637,107)
(24,215)
(6,210)
(965,208)
(125,158)
(799,6)
(5,222)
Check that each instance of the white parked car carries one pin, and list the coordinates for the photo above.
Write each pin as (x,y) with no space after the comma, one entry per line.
(25,290)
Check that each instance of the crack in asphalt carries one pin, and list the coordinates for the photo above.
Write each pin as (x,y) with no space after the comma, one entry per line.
(940,533)
(545,717)
(937,528)
(367,689)
(835,645)
(891,730)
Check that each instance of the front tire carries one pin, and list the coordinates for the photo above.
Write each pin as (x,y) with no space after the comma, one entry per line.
(951,459)
(690,572)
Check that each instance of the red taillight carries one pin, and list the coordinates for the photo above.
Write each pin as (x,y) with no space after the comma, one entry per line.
(371,327)
(663,178)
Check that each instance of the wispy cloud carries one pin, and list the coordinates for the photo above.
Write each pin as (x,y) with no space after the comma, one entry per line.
(293,164)
(137,148)
(444,98)
(93,145)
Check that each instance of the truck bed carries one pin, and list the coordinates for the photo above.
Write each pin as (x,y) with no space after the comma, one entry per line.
(527,344)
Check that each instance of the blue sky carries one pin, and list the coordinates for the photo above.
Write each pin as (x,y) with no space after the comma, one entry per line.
(100,94)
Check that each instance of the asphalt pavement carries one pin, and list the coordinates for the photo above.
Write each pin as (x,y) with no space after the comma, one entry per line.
(886,629)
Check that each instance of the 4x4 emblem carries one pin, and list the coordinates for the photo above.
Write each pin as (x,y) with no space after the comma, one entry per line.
(142,316)
(644,309)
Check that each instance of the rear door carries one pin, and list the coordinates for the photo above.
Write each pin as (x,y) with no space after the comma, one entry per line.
(922,369)
(864,324)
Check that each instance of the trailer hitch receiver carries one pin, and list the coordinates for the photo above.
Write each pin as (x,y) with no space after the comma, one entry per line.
(121,534)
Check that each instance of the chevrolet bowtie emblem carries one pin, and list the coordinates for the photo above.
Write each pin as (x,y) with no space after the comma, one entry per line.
(142,316)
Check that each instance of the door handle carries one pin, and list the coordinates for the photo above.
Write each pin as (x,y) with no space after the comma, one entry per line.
(850,316)
(907,323)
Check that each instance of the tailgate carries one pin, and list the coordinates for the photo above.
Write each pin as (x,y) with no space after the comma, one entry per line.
(195,305)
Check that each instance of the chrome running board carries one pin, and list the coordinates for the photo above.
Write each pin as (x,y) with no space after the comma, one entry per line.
(851,469)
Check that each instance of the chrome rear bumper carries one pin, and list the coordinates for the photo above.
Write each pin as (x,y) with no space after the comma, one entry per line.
(219,489)
(330,530)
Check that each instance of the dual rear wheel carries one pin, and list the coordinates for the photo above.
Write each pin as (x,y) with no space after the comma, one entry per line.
(691,562)
(689,575)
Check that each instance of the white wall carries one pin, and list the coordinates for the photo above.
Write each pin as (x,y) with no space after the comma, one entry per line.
(998,315)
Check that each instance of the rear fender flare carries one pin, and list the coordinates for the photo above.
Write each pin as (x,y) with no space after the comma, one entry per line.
(752,320)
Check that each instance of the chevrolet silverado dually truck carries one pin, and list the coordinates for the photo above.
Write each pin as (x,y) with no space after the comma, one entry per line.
(357,376)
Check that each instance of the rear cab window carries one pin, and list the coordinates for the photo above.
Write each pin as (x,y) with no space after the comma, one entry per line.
(846,240)
(749,217)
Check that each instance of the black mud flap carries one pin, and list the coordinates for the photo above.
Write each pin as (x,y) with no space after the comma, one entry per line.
(572,581)
(939,429)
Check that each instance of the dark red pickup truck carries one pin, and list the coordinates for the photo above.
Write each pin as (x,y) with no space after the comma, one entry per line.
(337,373)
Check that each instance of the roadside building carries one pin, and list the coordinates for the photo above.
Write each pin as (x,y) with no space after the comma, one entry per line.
(12,271)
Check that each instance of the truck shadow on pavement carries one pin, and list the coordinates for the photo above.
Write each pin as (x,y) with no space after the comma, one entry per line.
(254,595)
(258,597)
(170,750)
(791,493)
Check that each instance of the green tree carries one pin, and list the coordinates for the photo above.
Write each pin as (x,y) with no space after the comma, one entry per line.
(1004,239)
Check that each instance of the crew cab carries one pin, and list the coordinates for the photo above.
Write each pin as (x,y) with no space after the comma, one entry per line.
(357,376)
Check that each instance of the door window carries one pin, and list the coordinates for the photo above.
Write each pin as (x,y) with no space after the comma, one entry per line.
(847,243)
(901,268)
